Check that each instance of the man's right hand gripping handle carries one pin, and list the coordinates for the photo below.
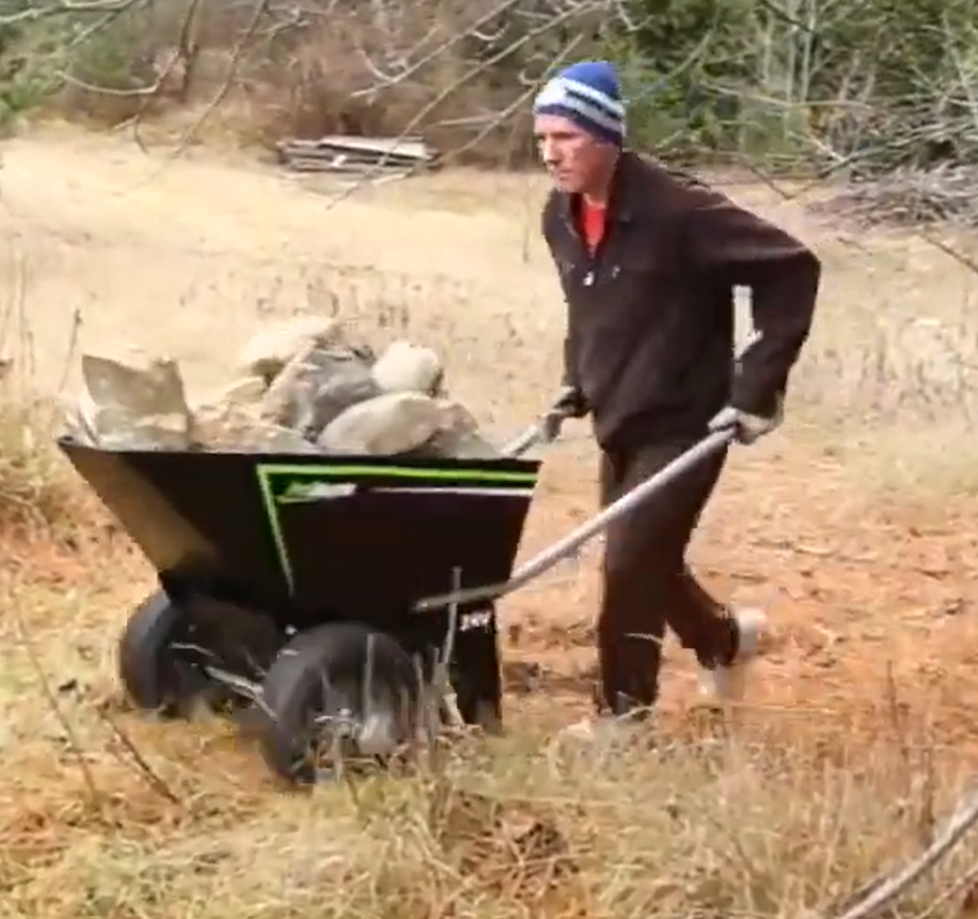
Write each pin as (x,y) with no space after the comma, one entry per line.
(570,403)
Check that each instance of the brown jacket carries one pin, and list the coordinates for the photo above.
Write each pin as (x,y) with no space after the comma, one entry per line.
(650,332)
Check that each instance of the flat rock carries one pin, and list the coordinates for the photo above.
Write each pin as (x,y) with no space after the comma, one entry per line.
(458,435)
(75,425)
(387,425)
(132,400)
(317,386)
(272,347)
(456,417)
(243,391)
(235,428)
(460,445)
(406,367)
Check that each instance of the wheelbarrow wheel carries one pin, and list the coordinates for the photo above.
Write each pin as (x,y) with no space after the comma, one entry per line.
(338,690)
(154,678)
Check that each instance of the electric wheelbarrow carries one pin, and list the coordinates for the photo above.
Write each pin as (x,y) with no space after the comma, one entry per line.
(319,594)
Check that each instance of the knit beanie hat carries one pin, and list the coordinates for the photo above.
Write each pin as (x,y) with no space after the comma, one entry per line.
(589,94)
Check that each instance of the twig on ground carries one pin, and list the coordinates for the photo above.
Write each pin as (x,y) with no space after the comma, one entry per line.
(52,701)
(964,818)
(147,771)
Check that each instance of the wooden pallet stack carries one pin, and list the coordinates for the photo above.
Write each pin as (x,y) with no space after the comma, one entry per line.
(373,156)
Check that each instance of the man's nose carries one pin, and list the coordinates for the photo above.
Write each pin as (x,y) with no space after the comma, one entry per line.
(549,151)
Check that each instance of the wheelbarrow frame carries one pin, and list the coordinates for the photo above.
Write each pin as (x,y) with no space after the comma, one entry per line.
(241,666)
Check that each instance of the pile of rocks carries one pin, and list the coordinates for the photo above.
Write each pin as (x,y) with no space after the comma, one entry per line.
(303,388)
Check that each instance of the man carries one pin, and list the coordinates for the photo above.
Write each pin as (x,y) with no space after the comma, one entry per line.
(648,260)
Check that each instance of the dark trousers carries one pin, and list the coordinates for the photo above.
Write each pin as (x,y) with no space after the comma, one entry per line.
(647,584)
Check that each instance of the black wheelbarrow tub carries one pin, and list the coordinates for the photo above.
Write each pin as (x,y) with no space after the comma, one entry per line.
(303,538)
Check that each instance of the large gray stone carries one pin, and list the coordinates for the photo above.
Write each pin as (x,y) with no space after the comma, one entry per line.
(315,387)
(406,367)
(272,347)
(387,425)
(132,400)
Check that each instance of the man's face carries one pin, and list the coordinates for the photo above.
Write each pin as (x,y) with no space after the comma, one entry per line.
(576,160)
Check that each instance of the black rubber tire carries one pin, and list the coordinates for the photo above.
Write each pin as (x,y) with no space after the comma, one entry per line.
(334,655)
(152,677)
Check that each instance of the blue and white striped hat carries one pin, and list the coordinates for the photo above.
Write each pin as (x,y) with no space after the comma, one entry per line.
(589,94)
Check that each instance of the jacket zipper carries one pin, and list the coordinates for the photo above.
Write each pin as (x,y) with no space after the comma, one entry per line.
(592,260)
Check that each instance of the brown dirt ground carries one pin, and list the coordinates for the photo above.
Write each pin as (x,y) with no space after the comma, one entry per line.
(870,597)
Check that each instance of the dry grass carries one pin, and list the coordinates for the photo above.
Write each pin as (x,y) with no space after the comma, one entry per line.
(863,726)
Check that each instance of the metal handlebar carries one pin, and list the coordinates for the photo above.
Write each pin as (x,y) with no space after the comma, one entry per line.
(532,436)
(570,544)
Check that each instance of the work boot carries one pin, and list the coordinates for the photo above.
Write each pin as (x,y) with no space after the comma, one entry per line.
(728,682)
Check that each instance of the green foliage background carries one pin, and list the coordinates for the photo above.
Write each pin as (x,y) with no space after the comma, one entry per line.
(865,85)
(870,84)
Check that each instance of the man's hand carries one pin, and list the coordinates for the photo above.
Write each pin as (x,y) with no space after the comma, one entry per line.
(568,404)
(748,428)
